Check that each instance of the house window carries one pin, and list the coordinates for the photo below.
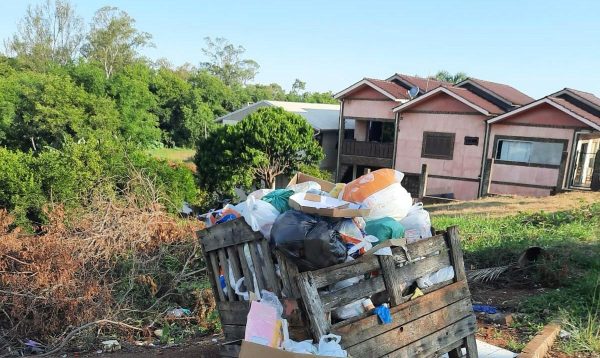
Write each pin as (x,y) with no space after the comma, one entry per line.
(529,152)
(438,145)
(471,140)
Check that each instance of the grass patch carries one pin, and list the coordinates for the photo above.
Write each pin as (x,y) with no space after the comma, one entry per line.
(175,155)
(570,270)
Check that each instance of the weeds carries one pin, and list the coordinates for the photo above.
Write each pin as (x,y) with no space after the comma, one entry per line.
(119,260)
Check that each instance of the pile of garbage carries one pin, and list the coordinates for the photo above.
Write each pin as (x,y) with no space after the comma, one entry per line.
(318,224)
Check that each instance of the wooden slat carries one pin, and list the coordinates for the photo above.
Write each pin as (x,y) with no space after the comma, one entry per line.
(352,293)
(327,276)
(227,234)
(454,346)
(453,240)
(233,332)
(235,262)
(248,280)
(429,346)
(286,283)
(231,296)
(233,313)
(257,264)
(369,263)
(420,268)
(319,324)
(358,330)
(393,285)
(230,350)
(215,268)
(412,331)
(471,346)
(272,281)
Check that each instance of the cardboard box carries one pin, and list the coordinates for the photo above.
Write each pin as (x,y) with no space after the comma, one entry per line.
(302,178)
(325,206)
(253,350)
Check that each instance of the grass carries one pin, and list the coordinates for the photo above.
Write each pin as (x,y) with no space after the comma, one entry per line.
(569,271)
(176,155)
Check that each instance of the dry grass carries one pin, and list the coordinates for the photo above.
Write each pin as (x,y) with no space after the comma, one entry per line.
(118,259)
(500,206)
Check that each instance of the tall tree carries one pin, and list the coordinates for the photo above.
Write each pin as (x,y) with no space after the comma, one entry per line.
(298,86)
(225,61)
(113,40)
(446,76)
(49,32)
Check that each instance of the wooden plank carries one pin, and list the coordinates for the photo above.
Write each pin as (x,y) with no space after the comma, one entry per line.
(257,264)
(471,344)
(235,262)
(327,276)
(369,263)
(319,325)
(416,269)
(423,181)
(215,268)
(227,234)
(233,313)
(286,283)
(231,350)
(352,293)
(429,346)
(456,254)
(233,332)
(393,284)
(248,280)
(412,331)
(454,346)
(355,331)
(272,280)
(231,296)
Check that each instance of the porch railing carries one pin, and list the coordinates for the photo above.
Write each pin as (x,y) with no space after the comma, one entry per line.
(368,149)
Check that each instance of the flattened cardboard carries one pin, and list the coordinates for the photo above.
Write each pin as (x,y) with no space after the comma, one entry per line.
(341,211)
(253,350)
(303,178)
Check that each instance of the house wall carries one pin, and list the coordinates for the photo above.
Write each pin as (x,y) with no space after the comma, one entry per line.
(329,144)
(459,175)
(530,178)
(368,103)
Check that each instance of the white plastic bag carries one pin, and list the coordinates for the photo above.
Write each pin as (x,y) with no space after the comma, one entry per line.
(393,201)
(305,347)
(259,214)
(443,274)
(258,194)
(352,309)
(417,225)
(329,346)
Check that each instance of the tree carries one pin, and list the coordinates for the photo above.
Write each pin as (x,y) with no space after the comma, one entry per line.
(298,86)
(225,62)
(113,41)
(267,143)
(51,32)
(446,76)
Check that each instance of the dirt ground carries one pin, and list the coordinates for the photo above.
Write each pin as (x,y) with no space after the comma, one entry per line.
(500,205)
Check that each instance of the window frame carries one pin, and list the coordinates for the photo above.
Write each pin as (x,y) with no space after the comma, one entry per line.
(450,156)
(498,138)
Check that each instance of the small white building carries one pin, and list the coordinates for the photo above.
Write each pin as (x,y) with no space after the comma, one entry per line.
(324,118)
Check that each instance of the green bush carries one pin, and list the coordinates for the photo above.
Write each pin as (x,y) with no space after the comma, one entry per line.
(29,181)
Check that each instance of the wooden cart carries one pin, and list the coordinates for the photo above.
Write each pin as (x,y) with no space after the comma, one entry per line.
(440,321)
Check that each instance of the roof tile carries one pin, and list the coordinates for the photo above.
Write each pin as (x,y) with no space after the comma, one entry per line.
(505,91)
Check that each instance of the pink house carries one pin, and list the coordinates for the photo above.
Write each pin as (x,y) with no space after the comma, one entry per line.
(476,137)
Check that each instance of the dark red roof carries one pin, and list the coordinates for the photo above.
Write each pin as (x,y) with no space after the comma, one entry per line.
(425,84)
(506,92)
(590,97)
(395,90)
(475,99)
(573,108)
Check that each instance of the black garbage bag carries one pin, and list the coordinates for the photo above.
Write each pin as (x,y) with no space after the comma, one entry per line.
(311,242)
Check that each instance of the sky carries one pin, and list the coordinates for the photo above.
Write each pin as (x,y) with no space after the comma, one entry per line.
(538,47)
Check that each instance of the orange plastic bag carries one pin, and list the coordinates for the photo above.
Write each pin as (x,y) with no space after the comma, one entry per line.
(361,188)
